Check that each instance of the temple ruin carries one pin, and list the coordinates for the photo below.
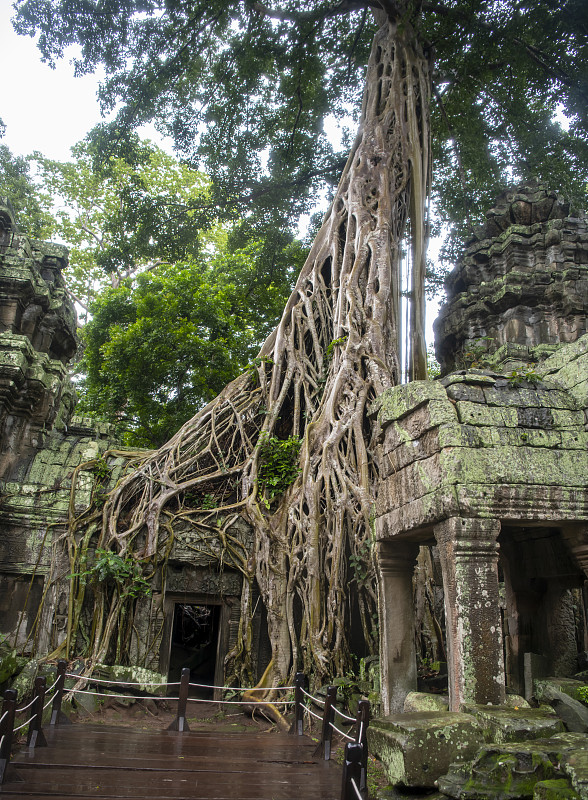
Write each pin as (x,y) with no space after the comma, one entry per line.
(487,467)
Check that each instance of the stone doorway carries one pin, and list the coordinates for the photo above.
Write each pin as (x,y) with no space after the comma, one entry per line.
(195,636)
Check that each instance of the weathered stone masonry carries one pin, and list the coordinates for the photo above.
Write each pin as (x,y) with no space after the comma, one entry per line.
(492,469)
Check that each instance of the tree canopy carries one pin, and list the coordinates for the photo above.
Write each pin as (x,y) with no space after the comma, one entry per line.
(245,89)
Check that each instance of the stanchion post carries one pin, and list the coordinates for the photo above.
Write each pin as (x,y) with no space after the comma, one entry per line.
(36,737)
(180,723)
(7,771)
(324,746)
(352,772)
(57,715)
(299,684)
(362,722)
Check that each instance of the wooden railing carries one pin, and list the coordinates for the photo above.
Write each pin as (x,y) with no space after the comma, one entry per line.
(354,785)
(356,750)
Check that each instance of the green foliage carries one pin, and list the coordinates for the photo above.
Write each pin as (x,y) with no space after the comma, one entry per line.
(124,215)
(278,465)
(19,187)
(473,357)
(124,573)
(162,345)
(335,343)
(583,694)
(433,367)
(519,377)
(360,564)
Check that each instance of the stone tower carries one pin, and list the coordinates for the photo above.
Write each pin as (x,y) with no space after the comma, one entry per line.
(37,341)
(521,288)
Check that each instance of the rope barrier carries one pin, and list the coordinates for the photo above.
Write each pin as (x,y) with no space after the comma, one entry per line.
(316,700)
(55,682)
(2,741)
(155,697)
(91,679)
(341,714)
(345,735)
(312,714)
(243,688)
(357,792)
(116,683)
(24,708)
(20,727)
(3,717)
(48,703)
(242,702)
(124,696)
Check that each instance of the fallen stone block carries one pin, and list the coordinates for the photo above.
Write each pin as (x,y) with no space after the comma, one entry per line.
(418,747)
(425,701)
(504,724)
(511,771)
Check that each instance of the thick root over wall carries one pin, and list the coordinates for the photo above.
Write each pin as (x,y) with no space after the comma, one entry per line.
(335,349)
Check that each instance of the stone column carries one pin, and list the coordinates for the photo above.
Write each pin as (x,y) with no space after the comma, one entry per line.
(396,562)
(469,559)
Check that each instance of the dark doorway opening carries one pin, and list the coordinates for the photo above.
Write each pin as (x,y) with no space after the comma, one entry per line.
(194,643)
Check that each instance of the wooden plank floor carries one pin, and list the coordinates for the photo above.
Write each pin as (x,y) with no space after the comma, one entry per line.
(113,762)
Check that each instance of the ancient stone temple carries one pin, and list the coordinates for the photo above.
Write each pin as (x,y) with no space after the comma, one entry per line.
(489,463)
(45,452)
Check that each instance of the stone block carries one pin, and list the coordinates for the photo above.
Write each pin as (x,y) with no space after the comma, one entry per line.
(478,414)
(501,724)
(575,767)
(535,666)
(512,771)
(556,789)
(399,401)
(424,701)
(418,748)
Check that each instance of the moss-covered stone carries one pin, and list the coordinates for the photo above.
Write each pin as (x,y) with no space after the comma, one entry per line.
(418,747)
(501,724)
(556,789)
(512,771)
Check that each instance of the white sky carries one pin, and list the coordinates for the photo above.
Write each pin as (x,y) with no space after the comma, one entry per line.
(43,109)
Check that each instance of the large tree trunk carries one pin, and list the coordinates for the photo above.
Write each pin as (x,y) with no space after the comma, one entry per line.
(335,349)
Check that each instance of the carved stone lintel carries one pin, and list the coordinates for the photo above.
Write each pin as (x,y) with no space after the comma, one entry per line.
(468,550)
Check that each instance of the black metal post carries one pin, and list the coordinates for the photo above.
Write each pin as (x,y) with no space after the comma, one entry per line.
(36,737)
(350,788)
(57,715)
(180,723)
(299,684)
(362,722)
(7,772)
(324,746)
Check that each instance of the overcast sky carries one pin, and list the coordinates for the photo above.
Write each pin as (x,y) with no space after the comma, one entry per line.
(43,109)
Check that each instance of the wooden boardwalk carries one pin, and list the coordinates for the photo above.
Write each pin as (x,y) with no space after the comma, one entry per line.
(113,762)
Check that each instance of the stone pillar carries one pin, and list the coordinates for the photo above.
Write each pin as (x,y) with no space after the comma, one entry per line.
(396,562)
(469,559)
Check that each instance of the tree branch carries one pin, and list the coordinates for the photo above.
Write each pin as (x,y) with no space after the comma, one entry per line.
(291,16)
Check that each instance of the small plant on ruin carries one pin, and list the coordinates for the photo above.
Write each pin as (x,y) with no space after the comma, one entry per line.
(474,356)
(518,377)
(125,573)
(278,465)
